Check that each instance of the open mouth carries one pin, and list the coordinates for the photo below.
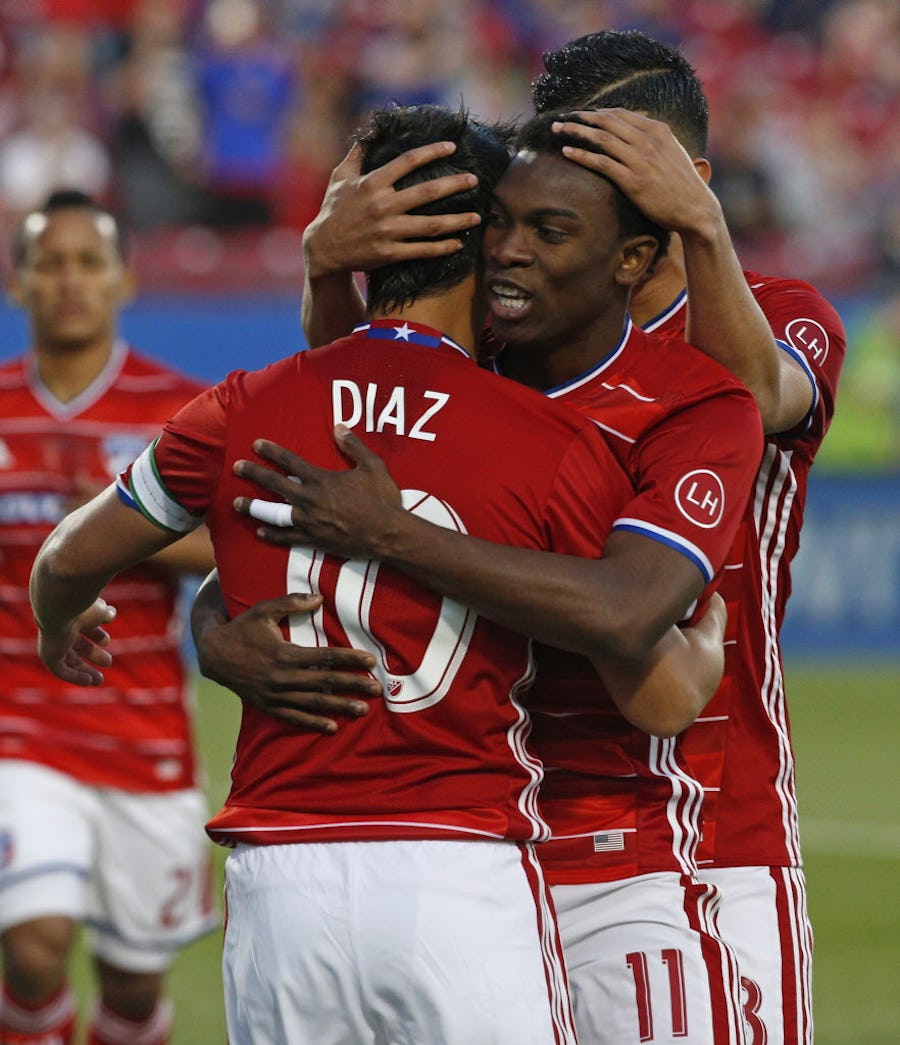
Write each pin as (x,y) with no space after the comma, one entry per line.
(508,302)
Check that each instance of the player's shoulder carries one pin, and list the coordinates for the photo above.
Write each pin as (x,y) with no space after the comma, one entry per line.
(789,294)
(675,369)
(140,370)
(12,372)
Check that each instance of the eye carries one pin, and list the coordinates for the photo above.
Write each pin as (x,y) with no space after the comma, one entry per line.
(495,219)
(551,235)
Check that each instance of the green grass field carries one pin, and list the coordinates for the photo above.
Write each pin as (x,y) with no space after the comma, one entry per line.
(846,722)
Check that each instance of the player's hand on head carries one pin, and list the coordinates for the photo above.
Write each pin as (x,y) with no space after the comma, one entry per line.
(646,161)
(77,652)
(365,223)
(308,687)
(347,512)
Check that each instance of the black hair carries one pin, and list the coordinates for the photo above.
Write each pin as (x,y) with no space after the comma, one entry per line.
(481,149)
(538,136)
(64,199)
(627,70)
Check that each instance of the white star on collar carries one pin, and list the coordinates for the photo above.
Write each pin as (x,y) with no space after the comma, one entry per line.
(402,333)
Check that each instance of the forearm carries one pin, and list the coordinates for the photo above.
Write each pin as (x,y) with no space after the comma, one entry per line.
(726,322)
(593,607)
(664,692)
(332,304)
(60,590)
(191,554)
(208,609)
(85,551)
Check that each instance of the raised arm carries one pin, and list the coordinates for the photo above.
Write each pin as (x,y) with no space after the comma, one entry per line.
(643,157)
(364,222)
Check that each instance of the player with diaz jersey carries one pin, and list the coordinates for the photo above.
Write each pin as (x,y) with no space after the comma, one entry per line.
(101,809)
(620,798)
(451,680)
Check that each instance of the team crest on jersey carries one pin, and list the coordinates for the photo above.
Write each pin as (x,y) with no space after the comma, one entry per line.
(394,687)
(700,497)
(120,450)
(808,337)
(6,455)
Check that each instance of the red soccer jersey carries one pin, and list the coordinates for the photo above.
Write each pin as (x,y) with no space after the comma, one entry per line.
(134,732)
(740,748)
(444,753)
(622,803)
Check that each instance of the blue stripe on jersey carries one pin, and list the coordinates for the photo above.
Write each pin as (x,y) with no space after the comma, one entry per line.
(666,314)
(402,332)
(808,370)
(673,540)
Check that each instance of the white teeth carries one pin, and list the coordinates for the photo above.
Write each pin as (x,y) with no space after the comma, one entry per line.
(510,298)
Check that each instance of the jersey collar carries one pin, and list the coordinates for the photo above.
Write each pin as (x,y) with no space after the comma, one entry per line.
(410,333)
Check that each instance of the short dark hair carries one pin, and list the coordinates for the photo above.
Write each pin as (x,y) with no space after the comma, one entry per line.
(627,70)
(538,136)
(64,199)
(481,149)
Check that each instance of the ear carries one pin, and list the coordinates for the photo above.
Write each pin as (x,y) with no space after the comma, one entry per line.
(638,255)
(129,286)
(703,168)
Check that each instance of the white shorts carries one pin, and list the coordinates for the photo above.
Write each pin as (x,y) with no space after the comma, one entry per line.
(646,963)
(135,868)
(392,943)
(763,916)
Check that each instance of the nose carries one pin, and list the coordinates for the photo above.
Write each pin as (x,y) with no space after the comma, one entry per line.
(507,247)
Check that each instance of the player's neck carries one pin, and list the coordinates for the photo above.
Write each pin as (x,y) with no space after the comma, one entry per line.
(663,287)
(453,312)
(67,371)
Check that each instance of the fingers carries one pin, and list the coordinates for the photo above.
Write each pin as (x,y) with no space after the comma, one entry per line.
(317,711)
(292,463)
(274,513)
(286,606)
(412,159)
(84,647)
(268,479)
(355,448)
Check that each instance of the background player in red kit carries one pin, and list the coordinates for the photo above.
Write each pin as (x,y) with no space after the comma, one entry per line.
(621,804)
(787,343)
(472,969)
(101,818)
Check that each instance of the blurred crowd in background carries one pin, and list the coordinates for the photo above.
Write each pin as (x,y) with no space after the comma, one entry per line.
(212,126)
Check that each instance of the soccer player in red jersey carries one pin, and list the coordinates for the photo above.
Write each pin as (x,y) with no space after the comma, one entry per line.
(622,805)
(787,344)
(101,815)
(360,860)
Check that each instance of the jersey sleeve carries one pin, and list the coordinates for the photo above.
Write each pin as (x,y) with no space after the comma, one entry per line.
(173,481)
(694,471)
(810,330)
(588,493)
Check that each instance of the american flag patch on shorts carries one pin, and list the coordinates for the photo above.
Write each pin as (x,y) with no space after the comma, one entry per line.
(609,842)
